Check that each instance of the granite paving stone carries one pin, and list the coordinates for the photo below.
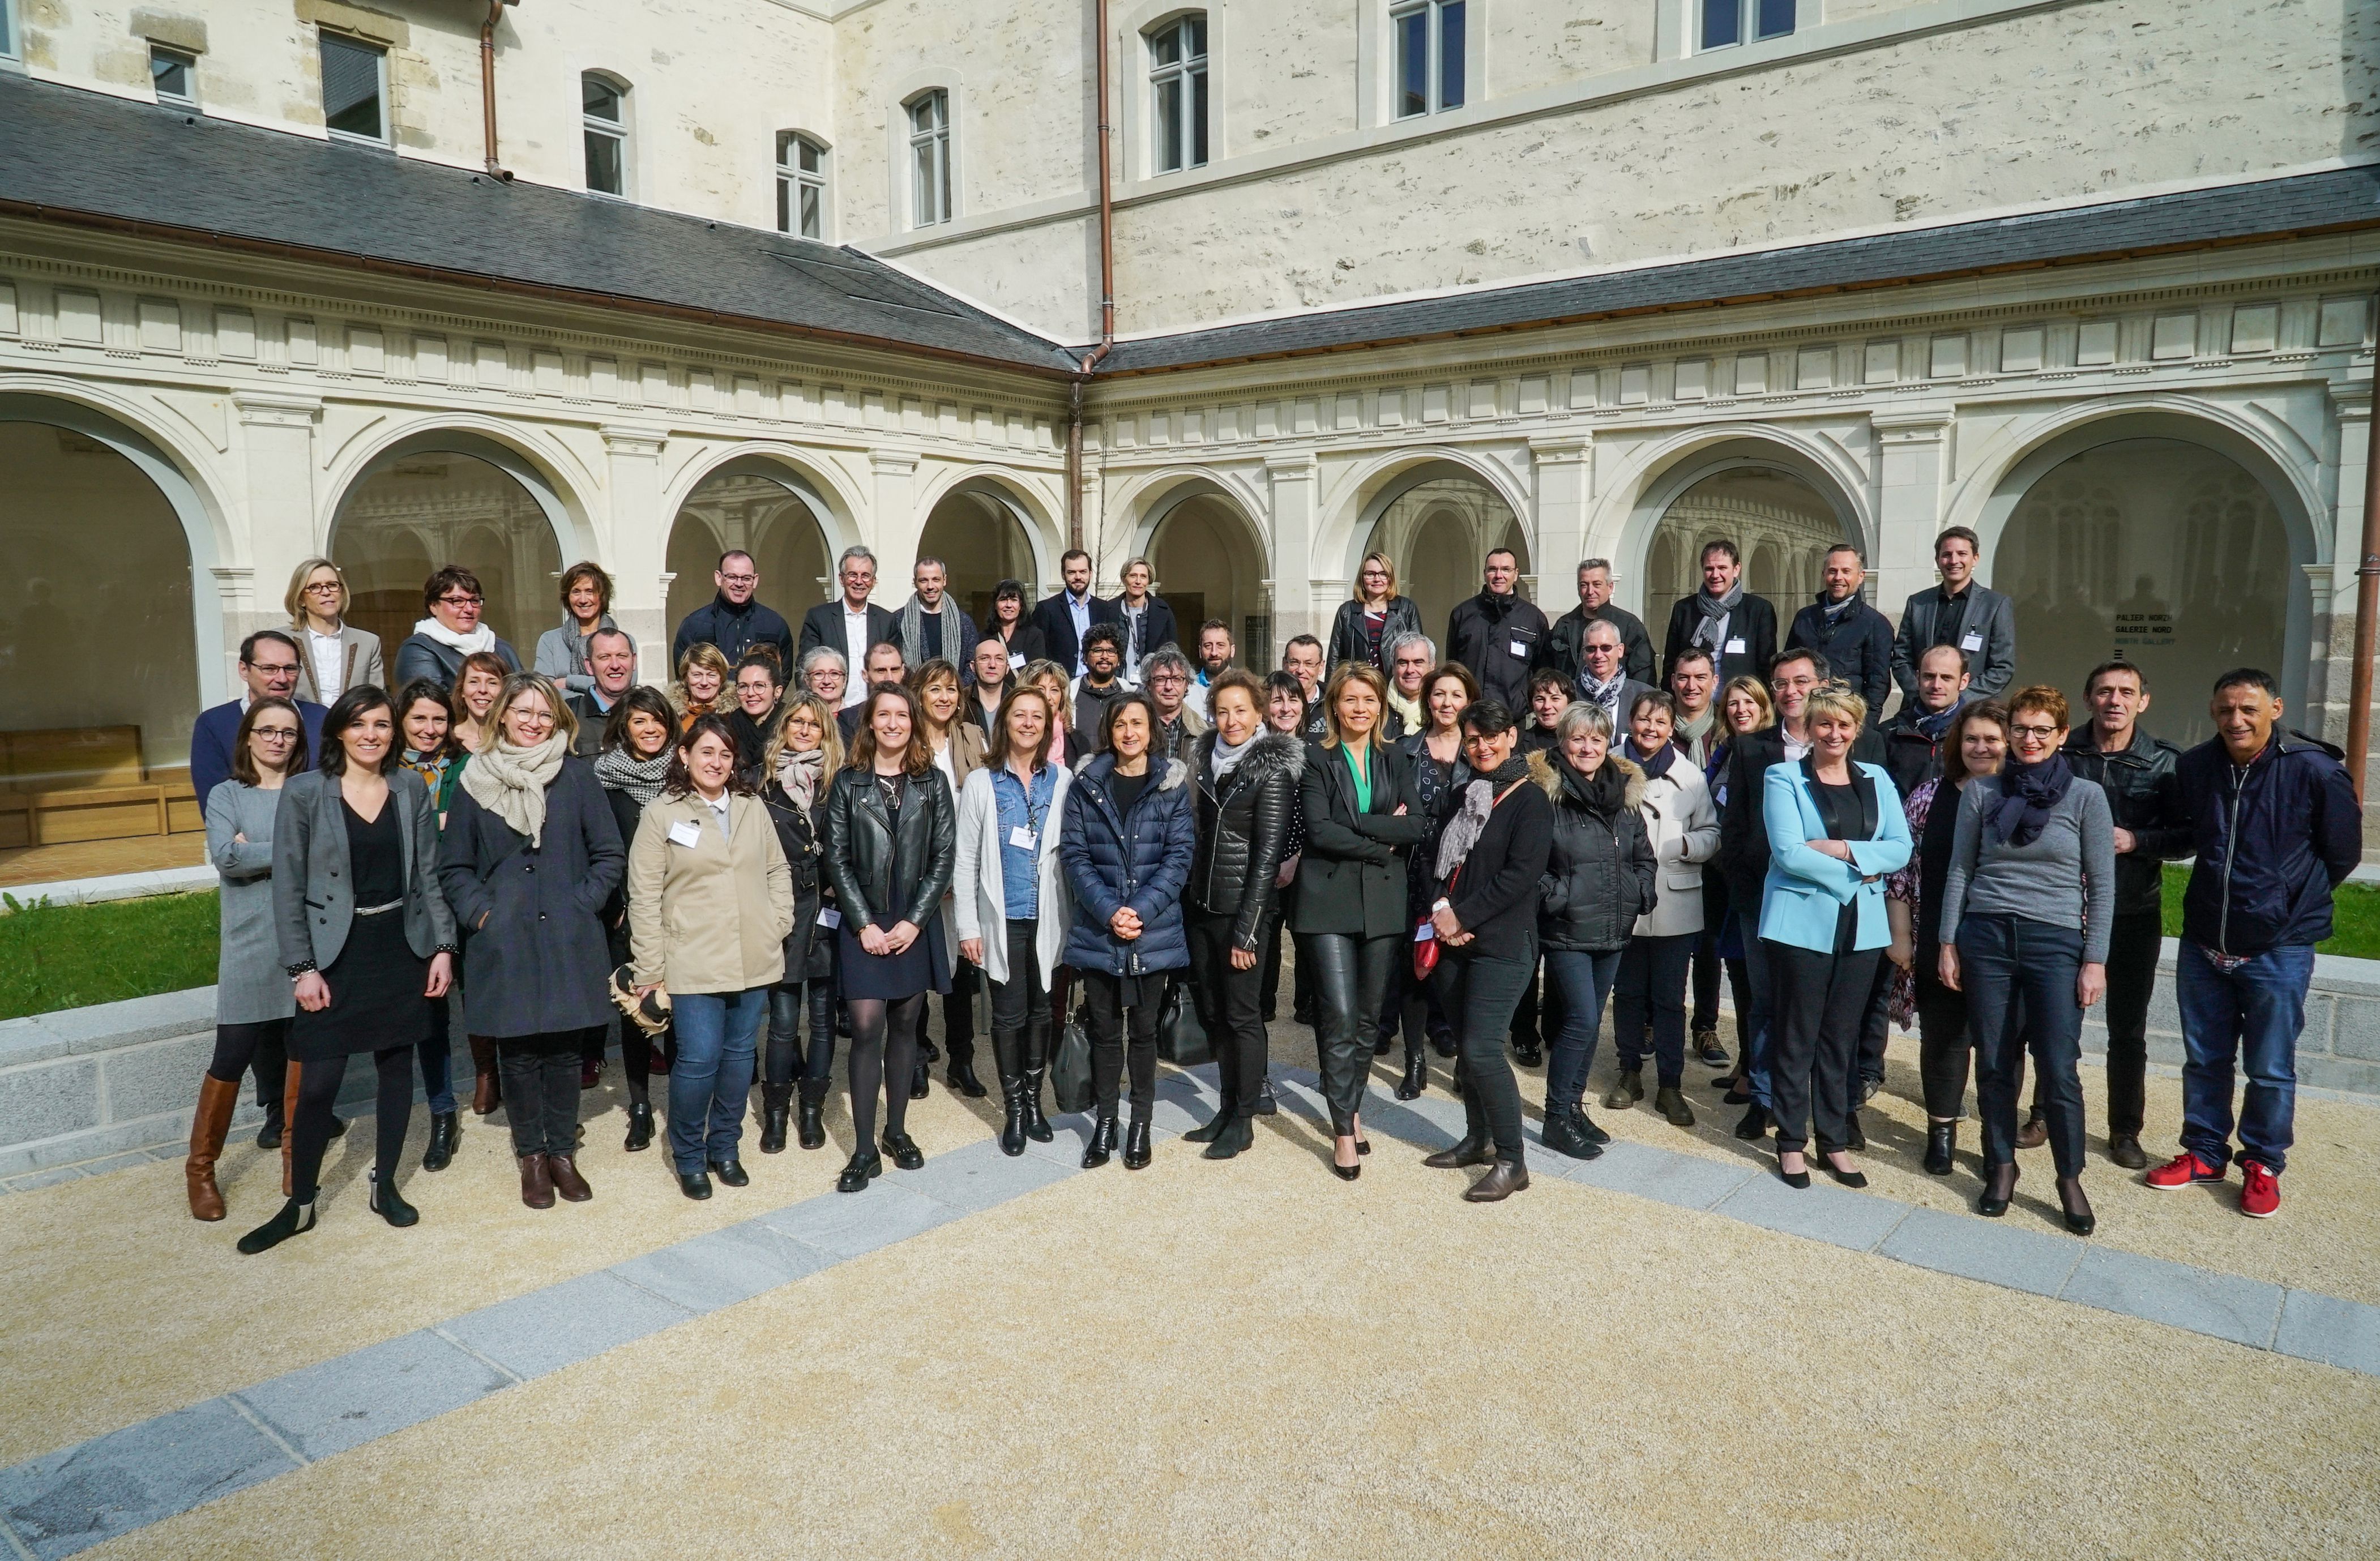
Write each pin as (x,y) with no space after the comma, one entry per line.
(546,1330)
(349,1399)
(2177,1294)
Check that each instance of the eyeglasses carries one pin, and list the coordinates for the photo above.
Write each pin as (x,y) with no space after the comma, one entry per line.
(329,588)
(2044,733)
(276,733)
(741,580)
(275,669)
(461,601)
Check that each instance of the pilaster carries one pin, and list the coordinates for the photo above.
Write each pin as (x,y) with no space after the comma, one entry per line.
(276,440)
(1912,451)
(635,543)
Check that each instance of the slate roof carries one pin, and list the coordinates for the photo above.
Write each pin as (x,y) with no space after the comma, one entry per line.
(78,155)
(2266,209)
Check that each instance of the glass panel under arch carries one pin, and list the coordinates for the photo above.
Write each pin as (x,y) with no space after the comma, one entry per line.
(1781,528)
(423,510)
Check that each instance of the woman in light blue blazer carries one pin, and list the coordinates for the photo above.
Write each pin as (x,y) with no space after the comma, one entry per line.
(1835,830)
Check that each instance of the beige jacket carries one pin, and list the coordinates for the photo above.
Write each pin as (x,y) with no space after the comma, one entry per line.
(710,917)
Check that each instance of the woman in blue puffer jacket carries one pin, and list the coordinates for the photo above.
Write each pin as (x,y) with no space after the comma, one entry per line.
(1125,840)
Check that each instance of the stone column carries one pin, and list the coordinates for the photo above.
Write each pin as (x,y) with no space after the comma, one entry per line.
(897,527)
(635,544)
(1298,604)
(276,441)
(1560,490)
(1911,470)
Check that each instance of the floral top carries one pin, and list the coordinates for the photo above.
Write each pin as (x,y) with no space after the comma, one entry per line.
(1903,883)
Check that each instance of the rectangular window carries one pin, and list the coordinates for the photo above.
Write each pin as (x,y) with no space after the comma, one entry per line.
(801,186)
(7,30)
(929,160)
(354,89)
(1177,84)
(1729,22)
(1430,53)
(604,124)
(174,75)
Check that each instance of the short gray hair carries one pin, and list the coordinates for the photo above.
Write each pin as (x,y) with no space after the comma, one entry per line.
(1396,647)
(1165,659)
(1586,564)
(1606,626)
(1582,713)
(855,550)
(818,656)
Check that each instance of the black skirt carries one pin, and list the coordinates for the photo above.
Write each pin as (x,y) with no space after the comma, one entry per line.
(923,966)
(376,999)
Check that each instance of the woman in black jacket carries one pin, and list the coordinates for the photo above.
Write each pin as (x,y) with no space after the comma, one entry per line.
(1434,760)
(1599,878)
(1244,788)
(640,740)
(1350,915)
(1373,618)
(529,856)
(1010,626)
(795,764)
(891,840)
(1491,853)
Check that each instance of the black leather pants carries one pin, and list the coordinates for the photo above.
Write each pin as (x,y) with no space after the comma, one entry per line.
(1351,976)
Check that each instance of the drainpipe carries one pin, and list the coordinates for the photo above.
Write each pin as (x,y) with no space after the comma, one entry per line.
(488,85)
(1107,292)
(2367,607)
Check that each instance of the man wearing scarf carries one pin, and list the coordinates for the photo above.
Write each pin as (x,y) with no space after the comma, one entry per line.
(1912,738)
(1603,678)
(1855,638)
(1497,635)
(1738,628)
(1694,684)
(932,626)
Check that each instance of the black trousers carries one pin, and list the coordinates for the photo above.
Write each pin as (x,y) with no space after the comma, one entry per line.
(1020,1006)
(783,1058)
(1875,1027)
(958,1012)
(1350,978)
(318,1091)
(540,1075)
(1234,999)
(1817,1004)
(2133,943)
(1538,1013)
(1942,1044)
(1652,990)
(1479,992)
(1103,1000)
(2019,976)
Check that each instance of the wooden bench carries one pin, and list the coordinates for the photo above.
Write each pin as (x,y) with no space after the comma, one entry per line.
(88,783)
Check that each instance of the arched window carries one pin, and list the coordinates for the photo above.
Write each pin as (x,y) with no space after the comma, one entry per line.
(930,158)
(1177,91)
(801,186)
(603,120)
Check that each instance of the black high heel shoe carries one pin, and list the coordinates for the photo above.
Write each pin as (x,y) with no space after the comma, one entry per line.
(1999,1186)
(1798,1180)
(389,1204)
(1346,1173)
(2075,1206)
(1847,1177)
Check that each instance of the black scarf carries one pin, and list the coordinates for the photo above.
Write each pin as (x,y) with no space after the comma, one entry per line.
(2027,793)
(1602,793)
(1511,769)
(1655,767)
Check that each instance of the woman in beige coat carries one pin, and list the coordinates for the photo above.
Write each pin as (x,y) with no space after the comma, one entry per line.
(710,900)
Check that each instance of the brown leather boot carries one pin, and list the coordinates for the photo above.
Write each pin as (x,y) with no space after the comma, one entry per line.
(488,1092)
(289,1130)
(537,1181)
(209,1126)
(566,1179)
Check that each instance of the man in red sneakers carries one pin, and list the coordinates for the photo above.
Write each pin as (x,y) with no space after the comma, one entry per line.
(2277,828)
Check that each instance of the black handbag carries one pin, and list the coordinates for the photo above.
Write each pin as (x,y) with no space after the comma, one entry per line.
(1181,1038)
(1070,1070)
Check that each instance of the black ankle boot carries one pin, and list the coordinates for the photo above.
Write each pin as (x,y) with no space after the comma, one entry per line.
(961,1078)
(811,1128)
(1012,1122)
(1212,1128)
(1941,1144)
(640,1125)
(1101,1147)
(776,1106)
(921,1080)
(1756,1124)
(389,1204)
(1037,1125)
(1562,1134)
(269,1135)
(1416,1079)
(295,1219)
(1239,1136)
(1136,1144)
(439,1153)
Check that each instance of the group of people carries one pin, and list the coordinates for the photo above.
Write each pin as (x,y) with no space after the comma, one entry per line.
(1482,850)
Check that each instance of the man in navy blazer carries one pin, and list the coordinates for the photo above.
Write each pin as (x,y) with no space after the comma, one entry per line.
(268,664)
(1064,619)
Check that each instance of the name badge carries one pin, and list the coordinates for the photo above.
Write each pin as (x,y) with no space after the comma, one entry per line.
(1971,642)
(1520,649)
(1022,838)
(1015,660)
(1735,648)
(830,916)
(685,831)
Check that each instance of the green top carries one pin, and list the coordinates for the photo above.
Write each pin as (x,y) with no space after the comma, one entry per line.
(1362,770)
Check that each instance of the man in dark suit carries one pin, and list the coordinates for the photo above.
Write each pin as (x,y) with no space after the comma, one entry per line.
(268,666)
(1855,638)
(1979,619)
(735,619)
(1064,618)
(1735,626)
(1146,620)
(1565,646)
(850,626)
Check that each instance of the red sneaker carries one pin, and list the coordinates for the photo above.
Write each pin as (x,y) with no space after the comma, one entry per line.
(2261,1198)
(2184,1170)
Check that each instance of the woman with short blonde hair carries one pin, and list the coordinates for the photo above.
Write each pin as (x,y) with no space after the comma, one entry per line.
(332,655)
(1374,616)
(703,685)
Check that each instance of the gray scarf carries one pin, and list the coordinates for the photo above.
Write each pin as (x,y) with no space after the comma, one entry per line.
(1227,758)
(1715,611)
(800,773)
(510,783)
(913,633)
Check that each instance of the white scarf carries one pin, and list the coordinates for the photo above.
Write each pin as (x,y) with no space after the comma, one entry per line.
(479,639)
(1409,710)
(510,783)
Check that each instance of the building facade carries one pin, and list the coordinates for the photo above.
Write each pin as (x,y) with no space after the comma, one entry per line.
(1587,278)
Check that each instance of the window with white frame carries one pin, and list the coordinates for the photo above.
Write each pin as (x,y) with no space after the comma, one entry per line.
(1429,56)
(7,30)
(354,89)
(603,125)
(1729,22)
(801,186)
(1177,89)
(930,158)
(174,75)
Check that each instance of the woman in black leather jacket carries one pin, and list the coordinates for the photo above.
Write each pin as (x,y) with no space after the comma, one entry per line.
(1243,781)
(796,762)
(1368,624)
(892,840)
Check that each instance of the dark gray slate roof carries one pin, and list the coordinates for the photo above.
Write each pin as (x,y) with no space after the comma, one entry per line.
(84,156)
(2266,209)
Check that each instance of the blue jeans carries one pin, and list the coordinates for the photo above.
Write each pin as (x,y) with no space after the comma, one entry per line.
(2250,1016)
(717,1034)
(1756,1046)
(1585,981)
(437,1054)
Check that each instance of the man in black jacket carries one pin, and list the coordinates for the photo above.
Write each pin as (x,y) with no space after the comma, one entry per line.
(1497,634)
(735,621)
(1854,638)
(1912,738)
(1064,618)
(1565,644)
(2137,772)
(850,626)
(1737,627)
(1979,619)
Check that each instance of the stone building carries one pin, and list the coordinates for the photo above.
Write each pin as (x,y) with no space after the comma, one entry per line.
(1586,277)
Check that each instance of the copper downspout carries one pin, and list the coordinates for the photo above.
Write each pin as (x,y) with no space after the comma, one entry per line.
(1107,293)
(488,84)
(2367,606)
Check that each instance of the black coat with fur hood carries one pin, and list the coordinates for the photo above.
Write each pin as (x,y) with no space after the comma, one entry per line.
(1244,828)
(1600,876)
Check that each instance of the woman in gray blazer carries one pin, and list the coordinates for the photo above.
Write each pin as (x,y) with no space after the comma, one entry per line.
(332,654)
(365,937)
(253,1001)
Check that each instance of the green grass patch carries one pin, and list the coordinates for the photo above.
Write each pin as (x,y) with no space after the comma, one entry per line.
(2354,915)
(68,956)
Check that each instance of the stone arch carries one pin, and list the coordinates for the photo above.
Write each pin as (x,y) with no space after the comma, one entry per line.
(1033,505)
(1210,555)
(793,514)
(1394,503)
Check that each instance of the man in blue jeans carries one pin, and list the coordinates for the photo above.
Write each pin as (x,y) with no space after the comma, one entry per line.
(2277,828)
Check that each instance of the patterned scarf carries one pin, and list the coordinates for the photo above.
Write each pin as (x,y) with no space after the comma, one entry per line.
(800,773)
(620,770)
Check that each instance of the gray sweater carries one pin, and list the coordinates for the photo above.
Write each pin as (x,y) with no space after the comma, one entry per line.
(2067,876)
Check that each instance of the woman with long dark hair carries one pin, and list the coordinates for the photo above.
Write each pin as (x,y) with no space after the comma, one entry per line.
(1744,707)
(802,755)
(1433,754)
(892,842)
(639,745)
(958,746)
(1286,712)
(366,939)
(1011,613)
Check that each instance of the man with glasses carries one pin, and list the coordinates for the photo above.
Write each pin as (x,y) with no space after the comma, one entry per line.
(735,619)
(850,624)
(268,670)
(1167,674)
(452,598)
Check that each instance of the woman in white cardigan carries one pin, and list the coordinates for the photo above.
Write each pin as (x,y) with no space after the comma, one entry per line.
(1683,827)
(1009,899)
